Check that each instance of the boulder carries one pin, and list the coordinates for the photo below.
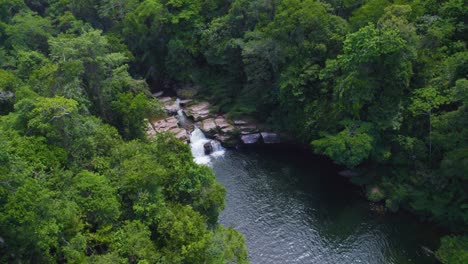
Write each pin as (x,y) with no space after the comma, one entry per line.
(180,133)
(221,122)
(171,107)
(167,125)
(251,138)
(199,106)
(270,138)
(164,125)
(208,126)
(227,140)
(208,148)
(199,111)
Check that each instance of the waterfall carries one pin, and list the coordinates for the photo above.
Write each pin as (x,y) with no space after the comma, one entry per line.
(197,142)
(183,120)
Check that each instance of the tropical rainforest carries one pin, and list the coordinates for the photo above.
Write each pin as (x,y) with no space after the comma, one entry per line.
(378,86)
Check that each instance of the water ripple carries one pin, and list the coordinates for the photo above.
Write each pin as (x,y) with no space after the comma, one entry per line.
(290,214)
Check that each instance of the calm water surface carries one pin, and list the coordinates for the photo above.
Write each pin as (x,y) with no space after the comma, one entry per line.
(296,211)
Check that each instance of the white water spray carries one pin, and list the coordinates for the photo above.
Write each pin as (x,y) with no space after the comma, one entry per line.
(197,142)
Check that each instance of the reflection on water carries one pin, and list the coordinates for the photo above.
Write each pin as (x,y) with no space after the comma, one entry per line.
(292,211)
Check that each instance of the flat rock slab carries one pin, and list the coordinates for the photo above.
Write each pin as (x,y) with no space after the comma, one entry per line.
(199,111)
(165,124)
(179,133)
(208,125)
(171,109)
(270,138)
(221,122)
(240,122)
(251,138)
(199,107)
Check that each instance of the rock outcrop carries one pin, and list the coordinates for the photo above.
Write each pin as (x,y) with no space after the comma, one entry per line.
(171,125)
(251,138)
(199,111)
(215,126)
(208,126)
(270,138)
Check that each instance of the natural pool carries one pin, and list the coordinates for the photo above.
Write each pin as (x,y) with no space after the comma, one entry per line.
(293,209)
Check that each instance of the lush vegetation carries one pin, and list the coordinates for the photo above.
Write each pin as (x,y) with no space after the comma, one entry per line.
(377,85)
(79,181)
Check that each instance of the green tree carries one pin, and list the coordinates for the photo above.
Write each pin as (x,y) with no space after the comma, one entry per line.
(453,250)
(349,147)
(97,198)
(29,31)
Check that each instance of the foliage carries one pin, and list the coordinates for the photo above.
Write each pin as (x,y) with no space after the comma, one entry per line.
(79,180)
(379,85)
(349,147)
(453,250)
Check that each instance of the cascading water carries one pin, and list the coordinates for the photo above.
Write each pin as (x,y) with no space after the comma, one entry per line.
(197,142)
(183,120)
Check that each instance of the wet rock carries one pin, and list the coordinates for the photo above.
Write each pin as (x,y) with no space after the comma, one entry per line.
(251,138)
(208,148)
(171,107)
(270,138)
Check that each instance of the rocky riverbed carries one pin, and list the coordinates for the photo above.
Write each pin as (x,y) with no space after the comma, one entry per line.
(183,115)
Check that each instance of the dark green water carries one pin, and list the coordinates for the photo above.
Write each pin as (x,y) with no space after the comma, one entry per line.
(295,210)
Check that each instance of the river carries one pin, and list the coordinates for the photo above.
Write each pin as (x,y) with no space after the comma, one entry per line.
(293,209)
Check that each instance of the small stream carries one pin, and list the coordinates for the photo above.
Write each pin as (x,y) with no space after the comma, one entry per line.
(294,208)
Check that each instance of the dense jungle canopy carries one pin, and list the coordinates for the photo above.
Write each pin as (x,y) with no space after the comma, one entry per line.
(378,86)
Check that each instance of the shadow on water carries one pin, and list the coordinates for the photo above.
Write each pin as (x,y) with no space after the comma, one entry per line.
(292,207)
